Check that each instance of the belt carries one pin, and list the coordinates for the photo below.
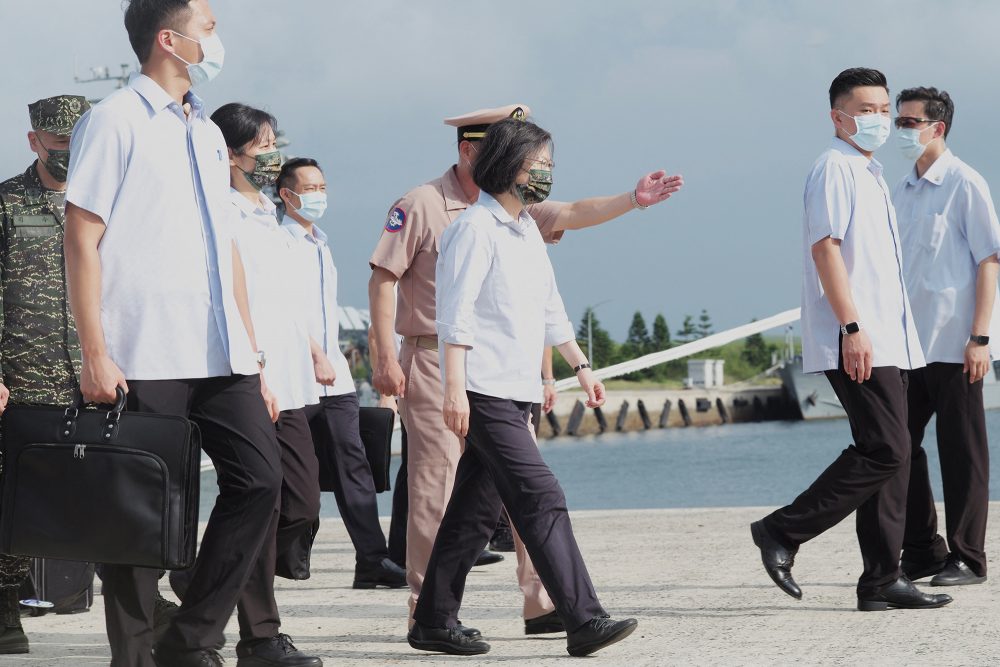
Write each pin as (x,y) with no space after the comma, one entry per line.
(423,342)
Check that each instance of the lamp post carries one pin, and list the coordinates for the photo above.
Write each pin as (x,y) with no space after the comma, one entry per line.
(590,330)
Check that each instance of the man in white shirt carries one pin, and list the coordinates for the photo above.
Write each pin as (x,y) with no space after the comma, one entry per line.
(950,238)
(858,330)
(160,302)
(334,420)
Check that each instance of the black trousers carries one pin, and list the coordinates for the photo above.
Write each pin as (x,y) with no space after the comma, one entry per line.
(238,436)
(965,467)
(499,448)
(400,508)
(335,429)
(869,477)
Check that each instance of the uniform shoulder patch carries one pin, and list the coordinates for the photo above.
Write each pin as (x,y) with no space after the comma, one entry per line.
(396,220)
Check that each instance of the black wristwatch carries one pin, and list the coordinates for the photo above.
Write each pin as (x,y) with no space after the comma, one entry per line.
(980,340)
(850,328)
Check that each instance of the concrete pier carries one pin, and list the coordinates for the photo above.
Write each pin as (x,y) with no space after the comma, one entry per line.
(692,577)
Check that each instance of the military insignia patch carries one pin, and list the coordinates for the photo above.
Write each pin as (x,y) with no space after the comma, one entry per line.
(395,221)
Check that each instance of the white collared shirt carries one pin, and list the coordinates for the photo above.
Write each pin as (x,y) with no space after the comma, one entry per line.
(160,183)
(275,276)
(847,198)
(496,294)
(320,286)
(948,226)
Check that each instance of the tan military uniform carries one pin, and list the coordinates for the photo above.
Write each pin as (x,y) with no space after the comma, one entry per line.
(408,249)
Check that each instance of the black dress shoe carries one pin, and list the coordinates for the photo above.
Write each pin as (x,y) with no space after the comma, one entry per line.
(902,594)
(164,656)
(957,573)
(471,633)
(778,559)
(919,569)
(385,573)
(163,612)
(445,640)
(502,540)
(597,633)
(543,625)
(274,652)
(488,558)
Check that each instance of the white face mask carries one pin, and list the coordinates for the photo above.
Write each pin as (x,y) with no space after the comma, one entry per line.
(211,64)
(873,130)
(908,142)
(312,205)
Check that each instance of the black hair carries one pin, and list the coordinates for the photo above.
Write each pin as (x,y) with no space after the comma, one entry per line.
(145,18)
(502,152)
(241,124)
(855,77)
(289,168)
(937,104)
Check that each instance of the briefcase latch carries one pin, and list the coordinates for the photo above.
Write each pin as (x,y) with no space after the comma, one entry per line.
(68,427)
(79,451)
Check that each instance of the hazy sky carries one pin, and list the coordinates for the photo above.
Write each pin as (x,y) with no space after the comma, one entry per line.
(731,94)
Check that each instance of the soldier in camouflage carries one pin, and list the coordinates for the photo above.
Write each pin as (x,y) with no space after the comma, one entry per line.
(39,351)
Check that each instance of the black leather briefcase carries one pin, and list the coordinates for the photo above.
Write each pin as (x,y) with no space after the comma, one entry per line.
(102,486)
(376,426)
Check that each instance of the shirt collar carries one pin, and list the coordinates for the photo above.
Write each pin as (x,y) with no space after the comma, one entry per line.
(318,236)
(451,189)
(934,174)
(158,99)
(264,205)
(490,203)
(849,151)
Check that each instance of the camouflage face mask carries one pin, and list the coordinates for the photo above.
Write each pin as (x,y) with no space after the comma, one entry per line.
(537,188)
(265,171)
(57,163)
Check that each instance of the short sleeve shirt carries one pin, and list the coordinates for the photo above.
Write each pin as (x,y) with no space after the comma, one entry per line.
(408,247)
(159,180)
(847,198)
(948,225)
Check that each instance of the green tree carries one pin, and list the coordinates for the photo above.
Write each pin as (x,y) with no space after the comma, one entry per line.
(756,351)
(604,350)
(638,340)
(661,334)
(688,332)
(704,324)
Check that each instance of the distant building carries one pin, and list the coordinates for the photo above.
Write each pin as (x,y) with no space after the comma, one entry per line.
(706,373)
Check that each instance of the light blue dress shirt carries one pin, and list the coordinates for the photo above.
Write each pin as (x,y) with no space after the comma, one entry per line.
(847,198)
(159,180)
(497,295)
(948,226)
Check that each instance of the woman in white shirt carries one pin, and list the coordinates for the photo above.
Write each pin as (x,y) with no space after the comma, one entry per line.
(291,361)
(497,309)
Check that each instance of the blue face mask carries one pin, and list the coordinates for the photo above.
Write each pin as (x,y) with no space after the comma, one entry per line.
(873,130)
(211,64)
(312,205)
(908,142)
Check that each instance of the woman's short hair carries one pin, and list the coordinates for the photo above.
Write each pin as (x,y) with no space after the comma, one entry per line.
(502,152)
(241,124)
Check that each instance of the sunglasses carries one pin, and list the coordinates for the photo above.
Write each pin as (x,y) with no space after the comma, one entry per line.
(911,122)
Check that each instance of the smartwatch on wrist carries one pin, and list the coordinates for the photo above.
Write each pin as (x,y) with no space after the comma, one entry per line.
(581,367)
(850,328)
(980,340)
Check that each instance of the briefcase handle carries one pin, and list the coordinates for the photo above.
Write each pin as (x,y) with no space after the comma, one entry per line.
(113,416)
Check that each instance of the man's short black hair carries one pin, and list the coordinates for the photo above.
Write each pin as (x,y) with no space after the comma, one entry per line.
(145,18)
(241,124)
(856,77)
(287,174)
(937,104)
(502,152)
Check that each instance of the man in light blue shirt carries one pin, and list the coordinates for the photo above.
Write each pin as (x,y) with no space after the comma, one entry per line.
(951,238)
(159,297)
(858,330)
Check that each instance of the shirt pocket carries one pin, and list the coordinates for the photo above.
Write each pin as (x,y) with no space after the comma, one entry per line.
(34,226)
(934,231)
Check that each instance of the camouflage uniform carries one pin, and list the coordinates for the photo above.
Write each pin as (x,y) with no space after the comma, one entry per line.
(39,350)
